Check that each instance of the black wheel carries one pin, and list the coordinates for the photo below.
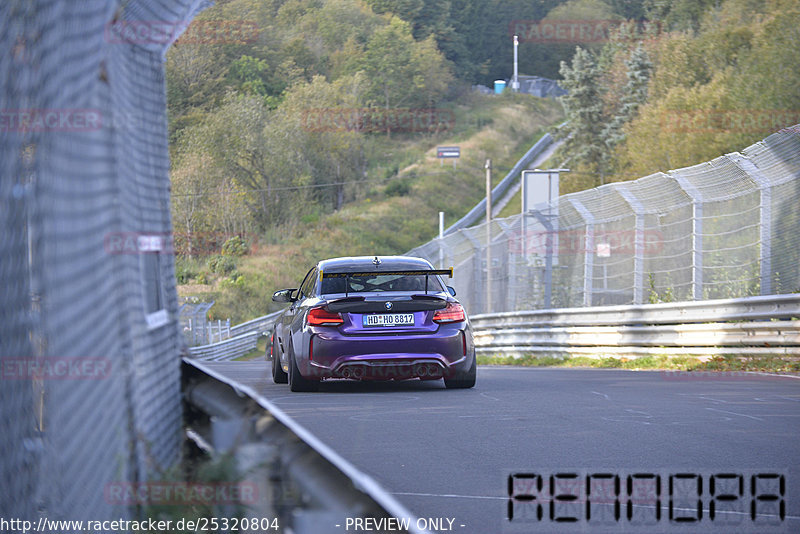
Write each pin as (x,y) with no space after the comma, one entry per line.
(279,376)
(298,382)
(463,380)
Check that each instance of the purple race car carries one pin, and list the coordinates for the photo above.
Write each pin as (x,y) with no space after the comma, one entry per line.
(364,318)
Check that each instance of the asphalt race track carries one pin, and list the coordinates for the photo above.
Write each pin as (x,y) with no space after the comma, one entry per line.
(448,453)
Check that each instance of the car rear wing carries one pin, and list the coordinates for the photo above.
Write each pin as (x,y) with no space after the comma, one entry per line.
(440,272)
(414,272)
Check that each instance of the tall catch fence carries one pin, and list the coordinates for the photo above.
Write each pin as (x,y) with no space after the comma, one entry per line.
(726,228)
(89,339)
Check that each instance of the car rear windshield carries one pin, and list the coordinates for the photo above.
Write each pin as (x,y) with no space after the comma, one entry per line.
(381,283)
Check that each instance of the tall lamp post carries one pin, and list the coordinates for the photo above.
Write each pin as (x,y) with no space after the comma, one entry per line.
(515,79)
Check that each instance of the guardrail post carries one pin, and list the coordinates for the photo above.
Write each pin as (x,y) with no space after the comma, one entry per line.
(765,213)
(588,254)
(697,234)
(638,255)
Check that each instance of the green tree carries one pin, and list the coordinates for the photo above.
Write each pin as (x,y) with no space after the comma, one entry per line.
(678,14)
(254,76)
(407,10)
(634,94)
(334,154)
(205,201)
(401,71)
(721,90)
(261,150)
(583,107)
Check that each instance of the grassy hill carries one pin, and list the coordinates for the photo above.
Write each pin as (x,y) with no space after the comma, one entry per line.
(407,186)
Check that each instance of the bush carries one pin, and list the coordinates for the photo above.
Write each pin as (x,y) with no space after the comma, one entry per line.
(243,297)
(221,264)
(235,246)
(234,280)
(398,188)
(185,270)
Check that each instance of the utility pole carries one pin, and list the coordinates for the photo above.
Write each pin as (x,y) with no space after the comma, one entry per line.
(488,168)
(441,240)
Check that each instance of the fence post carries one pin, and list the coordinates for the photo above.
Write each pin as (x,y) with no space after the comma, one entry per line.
(510,277)
(638,255)
(697,234)
(545,221)
(765,216)
(489,295)
(588,254)
(477,272)
(441,239)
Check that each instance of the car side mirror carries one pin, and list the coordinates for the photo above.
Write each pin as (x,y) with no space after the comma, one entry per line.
(451,290)
(284,295)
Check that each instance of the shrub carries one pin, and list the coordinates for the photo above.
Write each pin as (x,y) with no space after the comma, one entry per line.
(235,246)
(185,270)
(221,264)
(398,188)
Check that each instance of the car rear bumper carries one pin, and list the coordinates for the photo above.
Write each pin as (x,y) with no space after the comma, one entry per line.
(430,357)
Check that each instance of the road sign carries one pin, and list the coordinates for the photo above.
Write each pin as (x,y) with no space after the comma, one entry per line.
(540,187)
(448,152)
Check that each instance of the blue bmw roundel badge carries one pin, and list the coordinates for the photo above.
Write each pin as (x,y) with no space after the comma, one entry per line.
(388,305)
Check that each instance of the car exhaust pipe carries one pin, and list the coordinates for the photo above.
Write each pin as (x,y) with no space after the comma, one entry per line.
(346,372)
(421,370)
(433,370)
(358,372)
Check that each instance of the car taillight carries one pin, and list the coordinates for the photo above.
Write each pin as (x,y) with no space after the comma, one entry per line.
(453,313)
(322,317)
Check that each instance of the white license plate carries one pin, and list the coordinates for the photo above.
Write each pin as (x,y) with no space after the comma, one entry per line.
(389,319)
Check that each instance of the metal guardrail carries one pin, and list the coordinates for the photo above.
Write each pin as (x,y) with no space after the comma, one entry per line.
(766,325)
(226,350)
(474,215)
(244,340)
(259,324)
(301,481)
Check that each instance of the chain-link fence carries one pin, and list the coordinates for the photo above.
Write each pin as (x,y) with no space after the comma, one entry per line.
(197,328)
(89,339)
(722,229)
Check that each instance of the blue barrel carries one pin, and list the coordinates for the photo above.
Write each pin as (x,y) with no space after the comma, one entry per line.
(499,86)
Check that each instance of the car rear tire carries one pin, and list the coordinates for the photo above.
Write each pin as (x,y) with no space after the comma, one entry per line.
(298,382)
(464,380)
(279,376)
